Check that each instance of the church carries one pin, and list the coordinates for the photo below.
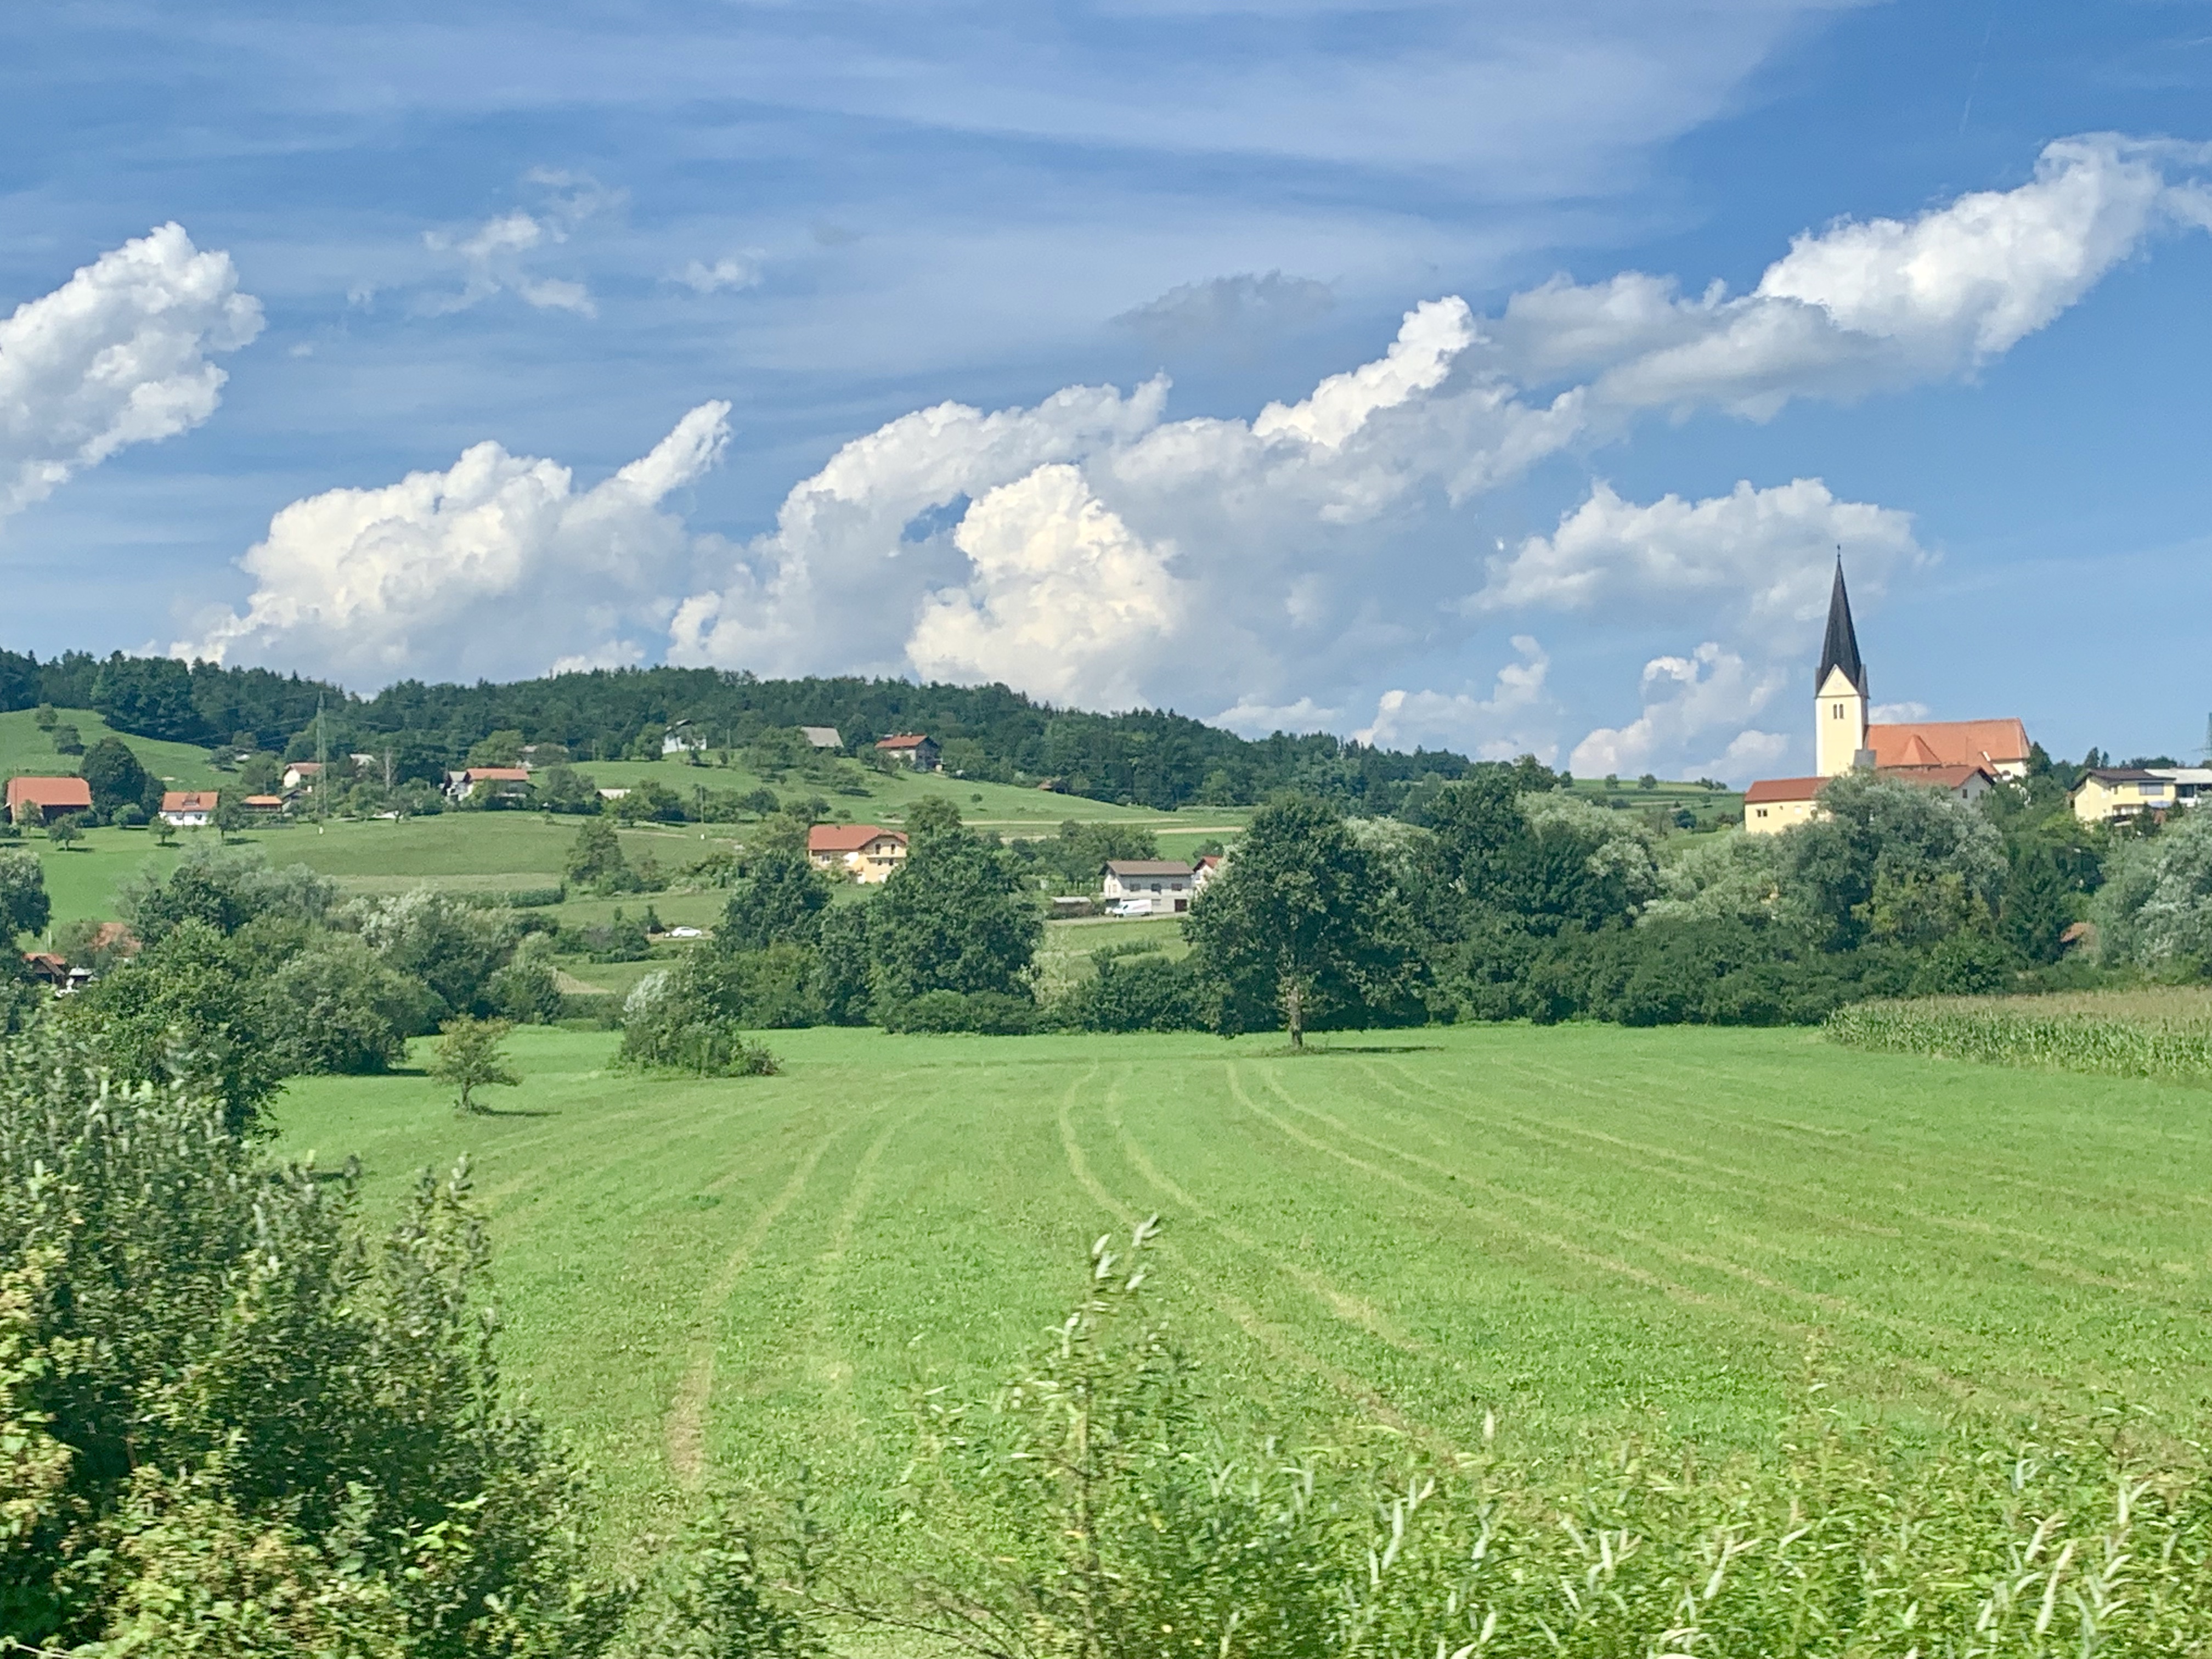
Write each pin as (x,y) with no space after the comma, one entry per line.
(1965,758)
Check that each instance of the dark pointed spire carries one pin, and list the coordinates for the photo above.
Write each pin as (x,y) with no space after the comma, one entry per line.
(1841,648)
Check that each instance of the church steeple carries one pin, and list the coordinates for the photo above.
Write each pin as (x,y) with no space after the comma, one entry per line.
(1839,691)
(1841,648)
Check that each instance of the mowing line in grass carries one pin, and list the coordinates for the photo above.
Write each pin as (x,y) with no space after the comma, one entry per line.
(1917,1162)
(1341,1304)
(1799,1200)
(1841,1307)
(1272,1337)
(686,1432)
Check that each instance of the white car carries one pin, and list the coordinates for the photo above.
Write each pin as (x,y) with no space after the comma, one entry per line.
(687,932)
(1130,907)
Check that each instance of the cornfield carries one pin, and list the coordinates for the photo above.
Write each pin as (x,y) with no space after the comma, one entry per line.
(2163,1032)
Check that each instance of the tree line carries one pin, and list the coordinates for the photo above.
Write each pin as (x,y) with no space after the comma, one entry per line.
(1148,757)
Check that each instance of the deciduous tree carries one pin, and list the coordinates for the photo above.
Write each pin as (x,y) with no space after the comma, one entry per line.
(470,1056)
(1302,921)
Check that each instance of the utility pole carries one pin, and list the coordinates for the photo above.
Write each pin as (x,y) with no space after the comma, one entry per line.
(322,763)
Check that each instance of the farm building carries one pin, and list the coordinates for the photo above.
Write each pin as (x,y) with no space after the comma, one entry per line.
(1162,886)
(869,854)
(34,801)
(1964,757)
(916,751)
(188,809)
(821,737)
(492,779)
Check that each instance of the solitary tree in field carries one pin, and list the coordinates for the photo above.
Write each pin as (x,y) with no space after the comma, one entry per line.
(229,816)
(62,830)
(470,1057)
(1304,919)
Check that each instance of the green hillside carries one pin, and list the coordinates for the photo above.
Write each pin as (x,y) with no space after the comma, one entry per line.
(25,749)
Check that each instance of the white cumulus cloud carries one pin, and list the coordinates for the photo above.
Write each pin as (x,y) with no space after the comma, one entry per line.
(1064,599)
(120,353)
(1759,555)
(1687,702)
(1496,727)
(498,565)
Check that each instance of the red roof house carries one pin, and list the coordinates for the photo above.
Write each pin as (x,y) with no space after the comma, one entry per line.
(869,853)
(916,751)
(33,800)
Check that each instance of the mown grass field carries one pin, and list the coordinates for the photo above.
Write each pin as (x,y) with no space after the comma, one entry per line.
(1590,1231)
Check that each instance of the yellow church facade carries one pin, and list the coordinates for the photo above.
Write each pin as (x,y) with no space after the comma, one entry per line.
(1965,758)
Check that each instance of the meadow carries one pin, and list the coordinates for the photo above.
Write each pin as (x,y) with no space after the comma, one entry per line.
(1588,1231)
(25,749)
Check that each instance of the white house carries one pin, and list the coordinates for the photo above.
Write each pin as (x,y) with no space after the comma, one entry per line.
(1161,885)
(1204,871)
(682,739)
(302,774)
(188,809)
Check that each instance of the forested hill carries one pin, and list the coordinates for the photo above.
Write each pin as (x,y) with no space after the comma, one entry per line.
(1145,757)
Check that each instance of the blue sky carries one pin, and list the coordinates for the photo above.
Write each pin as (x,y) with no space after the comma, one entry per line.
(779,337)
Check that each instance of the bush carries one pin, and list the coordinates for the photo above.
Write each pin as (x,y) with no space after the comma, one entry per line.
(528,991)
(1136,994)
(337,1008)
(214,1385)
(672,1021)
(986,1013)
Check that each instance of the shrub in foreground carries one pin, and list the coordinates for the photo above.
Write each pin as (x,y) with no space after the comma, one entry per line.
(232,1423)
(1089,1511)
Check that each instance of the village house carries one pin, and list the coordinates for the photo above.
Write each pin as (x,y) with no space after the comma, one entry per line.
(869,854)
(682,738)
(1161,886)
(916,751)
(493,779)
(1964,759)
(268,805)
(188,809)
(2107,793)
(45,969)
(34,801)
(302,774)
(1204,871)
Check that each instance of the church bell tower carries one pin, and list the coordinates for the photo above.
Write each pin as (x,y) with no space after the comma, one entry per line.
(1839,701)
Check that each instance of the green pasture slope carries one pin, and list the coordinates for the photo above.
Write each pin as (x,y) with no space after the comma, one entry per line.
(25,749)
(1590,1231)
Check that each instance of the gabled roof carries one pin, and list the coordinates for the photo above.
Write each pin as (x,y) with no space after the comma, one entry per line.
(188,800)
(265,800)
(2122,775)
(49,792)
(1767,791)
(303,766)
(822,737)
(904,740)
(1949,742)
(848,837)
(1840,648)
(497,775)
(1146,867)
(1938,777)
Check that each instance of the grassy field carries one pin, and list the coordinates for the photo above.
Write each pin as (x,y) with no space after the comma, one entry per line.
(1587,1230)
(24,748)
